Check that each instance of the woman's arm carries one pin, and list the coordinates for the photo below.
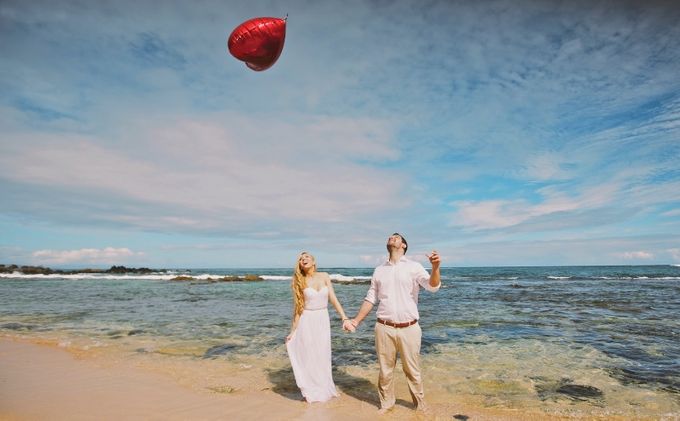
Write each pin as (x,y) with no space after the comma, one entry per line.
(336,303)
(366,308)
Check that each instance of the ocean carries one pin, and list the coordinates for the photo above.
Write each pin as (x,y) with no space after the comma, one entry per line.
(585,338)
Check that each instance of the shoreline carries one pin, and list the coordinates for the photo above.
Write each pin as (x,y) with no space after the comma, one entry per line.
(43,380)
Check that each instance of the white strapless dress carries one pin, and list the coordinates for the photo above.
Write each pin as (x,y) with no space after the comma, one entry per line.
(309,348)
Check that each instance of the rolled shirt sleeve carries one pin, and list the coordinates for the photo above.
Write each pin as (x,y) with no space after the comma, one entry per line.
(372,294)
(423,278)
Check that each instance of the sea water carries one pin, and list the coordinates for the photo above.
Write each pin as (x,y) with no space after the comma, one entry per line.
(602,340)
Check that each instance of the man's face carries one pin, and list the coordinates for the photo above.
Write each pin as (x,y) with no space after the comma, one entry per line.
(395,241)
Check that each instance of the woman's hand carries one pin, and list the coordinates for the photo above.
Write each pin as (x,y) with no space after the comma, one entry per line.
(348,326)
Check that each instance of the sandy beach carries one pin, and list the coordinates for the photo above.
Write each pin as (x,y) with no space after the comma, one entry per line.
(46,381)
(42,382)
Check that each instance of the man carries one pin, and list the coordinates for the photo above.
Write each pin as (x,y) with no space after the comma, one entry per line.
(395,285)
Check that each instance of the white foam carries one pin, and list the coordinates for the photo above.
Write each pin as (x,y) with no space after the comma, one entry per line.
(559,277)
(342,278)
(202,276)
(334,276)
(157,276)
(152,276)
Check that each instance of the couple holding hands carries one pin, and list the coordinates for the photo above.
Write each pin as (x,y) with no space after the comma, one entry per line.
(394,288)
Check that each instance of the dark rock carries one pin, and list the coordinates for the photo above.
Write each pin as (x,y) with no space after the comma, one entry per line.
(39,270)
(123,269)
(182,278)
(220,350)
(35,270)
(564,388)
(16,326)
(580,392)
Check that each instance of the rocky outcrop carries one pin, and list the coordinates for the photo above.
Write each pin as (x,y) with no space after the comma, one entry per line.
(40,270)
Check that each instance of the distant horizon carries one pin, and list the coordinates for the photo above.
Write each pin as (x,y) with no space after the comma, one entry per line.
(321,269)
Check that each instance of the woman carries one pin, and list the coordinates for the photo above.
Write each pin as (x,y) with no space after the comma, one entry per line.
(309,341)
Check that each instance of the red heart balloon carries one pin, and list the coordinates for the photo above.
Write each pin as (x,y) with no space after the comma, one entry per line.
(258,42)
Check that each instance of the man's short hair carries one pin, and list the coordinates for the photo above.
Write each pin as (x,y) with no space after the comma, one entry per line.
(403,240)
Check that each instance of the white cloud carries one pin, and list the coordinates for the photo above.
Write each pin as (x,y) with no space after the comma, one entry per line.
(222,172)
(673,212)
(578,248)
(635,255)
(372,260)
(675,254)
(546,166)
(108,255)
(490,214)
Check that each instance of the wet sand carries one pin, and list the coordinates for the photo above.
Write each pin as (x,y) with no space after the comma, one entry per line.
(45,381)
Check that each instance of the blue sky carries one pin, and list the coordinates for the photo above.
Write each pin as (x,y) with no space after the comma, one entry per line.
(497,132)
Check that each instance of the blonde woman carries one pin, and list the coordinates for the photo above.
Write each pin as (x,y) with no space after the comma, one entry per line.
(309,341)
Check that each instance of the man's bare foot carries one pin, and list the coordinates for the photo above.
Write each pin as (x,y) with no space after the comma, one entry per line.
(383,411)
(423,409)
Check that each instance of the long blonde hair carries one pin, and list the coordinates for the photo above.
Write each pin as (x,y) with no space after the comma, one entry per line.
(299,284)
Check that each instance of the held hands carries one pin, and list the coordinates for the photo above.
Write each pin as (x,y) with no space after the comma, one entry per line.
(348,326)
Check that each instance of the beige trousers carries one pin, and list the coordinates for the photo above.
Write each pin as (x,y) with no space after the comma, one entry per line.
(405,341)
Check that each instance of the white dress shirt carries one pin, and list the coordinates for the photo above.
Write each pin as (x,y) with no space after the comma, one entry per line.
(395,287)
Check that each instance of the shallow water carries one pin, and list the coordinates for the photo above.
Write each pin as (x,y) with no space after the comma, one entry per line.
(591,340)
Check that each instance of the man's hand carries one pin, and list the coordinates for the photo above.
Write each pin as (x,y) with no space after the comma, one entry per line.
(434,259)
(348,326)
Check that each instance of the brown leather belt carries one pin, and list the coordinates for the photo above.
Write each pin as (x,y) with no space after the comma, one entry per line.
(397,325)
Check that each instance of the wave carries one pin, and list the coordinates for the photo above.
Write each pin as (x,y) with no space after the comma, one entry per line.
(337,277)
(343,278)
(479,278)
(276,277)
(167,276)
(490,278)
(152,276)
(632,278)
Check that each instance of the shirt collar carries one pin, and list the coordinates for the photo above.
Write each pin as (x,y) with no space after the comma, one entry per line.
(402,259)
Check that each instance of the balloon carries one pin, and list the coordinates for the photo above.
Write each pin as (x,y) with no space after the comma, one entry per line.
(258,42)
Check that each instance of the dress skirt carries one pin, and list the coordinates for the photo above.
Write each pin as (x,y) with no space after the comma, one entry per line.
(309,350)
